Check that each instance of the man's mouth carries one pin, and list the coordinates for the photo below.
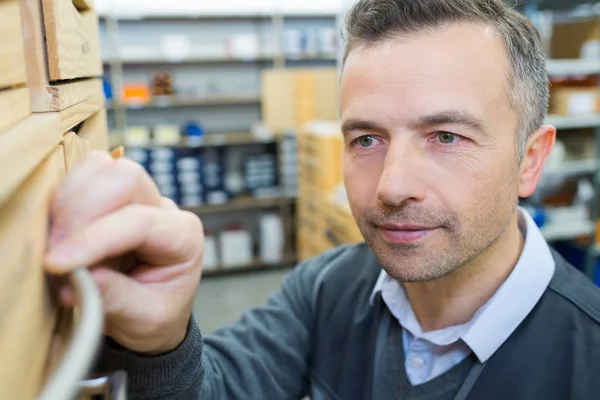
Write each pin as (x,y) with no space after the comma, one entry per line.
(405,233)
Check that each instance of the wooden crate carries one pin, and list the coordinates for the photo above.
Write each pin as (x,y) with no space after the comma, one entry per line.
(47,93)
(15,105)
(23,147)
(91,135)
(12,46)
(72,41)
(80,112)
(25,304)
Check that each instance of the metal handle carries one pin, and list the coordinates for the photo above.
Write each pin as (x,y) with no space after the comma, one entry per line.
(112,387)
(64,384)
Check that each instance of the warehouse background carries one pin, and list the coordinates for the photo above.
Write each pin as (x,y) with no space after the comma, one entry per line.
(232,108)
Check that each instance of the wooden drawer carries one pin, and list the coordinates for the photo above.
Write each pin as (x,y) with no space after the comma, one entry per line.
(92,134)
(72,40)
(12,47)
(25,302)
(15,105)
(23,147)
(75,115)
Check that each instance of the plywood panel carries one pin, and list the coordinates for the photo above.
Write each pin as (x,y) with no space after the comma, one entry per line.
(25,303)
(24,147)
(14,105)
(12,54)
(72,40)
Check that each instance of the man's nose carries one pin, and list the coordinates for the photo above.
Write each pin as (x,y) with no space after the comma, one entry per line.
(402,178)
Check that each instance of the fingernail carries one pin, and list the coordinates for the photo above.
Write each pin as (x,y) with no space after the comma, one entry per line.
(64,256)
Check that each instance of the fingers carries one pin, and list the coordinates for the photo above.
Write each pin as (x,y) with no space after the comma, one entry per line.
(159,236)
(97,187)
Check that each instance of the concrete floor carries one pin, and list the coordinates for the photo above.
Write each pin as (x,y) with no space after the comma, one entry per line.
(222,300)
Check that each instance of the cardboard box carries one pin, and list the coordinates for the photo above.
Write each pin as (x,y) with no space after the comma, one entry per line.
(320,153)
(574,101)
(340,225)
(292,97)
(28,312)
(569,38)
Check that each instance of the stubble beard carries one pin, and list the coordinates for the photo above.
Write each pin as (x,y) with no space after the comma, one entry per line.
(427,260)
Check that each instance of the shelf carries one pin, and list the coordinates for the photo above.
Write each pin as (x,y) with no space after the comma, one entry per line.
(570,67)
(573,168)
(183,101)
(574,122)
(324,57)
(158,59)
(252,267)
(249,203)
(211,140)
(567,232)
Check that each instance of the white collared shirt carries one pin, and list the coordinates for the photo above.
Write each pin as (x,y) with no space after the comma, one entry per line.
(430,354)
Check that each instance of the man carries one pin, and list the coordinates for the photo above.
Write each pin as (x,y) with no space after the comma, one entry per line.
(455,294)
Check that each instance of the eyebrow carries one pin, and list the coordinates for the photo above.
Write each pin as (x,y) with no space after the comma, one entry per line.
(451,117)
(356,124)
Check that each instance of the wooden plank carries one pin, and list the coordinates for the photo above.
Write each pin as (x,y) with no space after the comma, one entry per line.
(72,41)
(23,147)
(68,94)
(12,51)
(25,301)
(74,115)
(15,105)
(95,131)
(82,5)
(37,66)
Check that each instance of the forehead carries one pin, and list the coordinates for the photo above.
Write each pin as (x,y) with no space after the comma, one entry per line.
(462,66)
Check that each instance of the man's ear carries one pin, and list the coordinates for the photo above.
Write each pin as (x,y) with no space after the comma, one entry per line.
(539,147)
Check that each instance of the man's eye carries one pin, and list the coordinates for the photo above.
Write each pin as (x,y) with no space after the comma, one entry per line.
(446,137)
(365,141)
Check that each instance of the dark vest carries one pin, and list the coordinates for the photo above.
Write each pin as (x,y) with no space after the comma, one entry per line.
(554,354)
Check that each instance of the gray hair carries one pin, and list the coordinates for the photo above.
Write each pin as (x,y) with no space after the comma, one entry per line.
(373,21)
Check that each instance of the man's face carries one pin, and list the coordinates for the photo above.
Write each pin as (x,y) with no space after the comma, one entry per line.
(430,162)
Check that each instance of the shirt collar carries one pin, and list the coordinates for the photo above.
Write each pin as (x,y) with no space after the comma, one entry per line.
(503,313)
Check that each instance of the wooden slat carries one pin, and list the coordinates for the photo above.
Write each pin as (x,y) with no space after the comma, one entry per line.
(72,41)
(15,105)
(23,147)
(12,54)
(28,313)
(95,131)
(74,115)
(68,94)
(37,66)
(82,5)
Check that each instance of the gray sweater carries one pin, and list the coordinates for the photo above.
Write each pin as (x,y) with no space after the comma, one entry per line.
(320,336)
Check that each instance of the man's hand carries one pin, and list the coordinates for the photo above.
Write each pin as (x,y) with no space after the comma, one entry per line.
(109,212)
